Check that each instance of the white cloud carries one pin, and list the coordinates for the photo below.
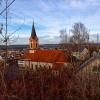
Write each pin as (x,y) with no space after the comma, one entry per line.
(53,15)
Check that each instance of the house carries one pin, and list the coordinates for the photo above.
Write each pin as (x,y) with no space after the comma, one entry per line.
(82,55)
(89,75)
(92,65)
(44,58)
(12,71)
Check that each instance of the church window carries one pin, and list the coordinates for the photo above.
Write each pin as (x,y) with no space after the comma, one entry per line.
(36,45)
(36,67)
(32,67)
(31,45)
(40,66)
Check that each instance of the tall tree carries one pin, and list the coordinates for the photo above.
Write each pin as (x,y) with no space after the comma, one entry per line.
(80,33)
(63,36)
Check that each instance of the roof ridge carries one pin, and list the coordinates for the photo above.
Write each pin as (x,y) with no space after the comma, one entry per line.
(90,59)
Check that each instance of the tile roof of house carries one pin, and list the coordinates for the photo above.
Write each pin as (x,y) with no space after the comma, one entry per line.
(49,56)
(90,60)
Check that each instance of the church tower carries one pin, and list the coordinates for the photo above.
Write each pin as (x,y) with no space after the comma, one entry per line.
(33,40)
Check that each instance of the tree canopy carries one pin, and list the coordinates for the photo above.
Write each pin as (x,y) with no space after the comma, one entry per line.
(63,36)
(80,33)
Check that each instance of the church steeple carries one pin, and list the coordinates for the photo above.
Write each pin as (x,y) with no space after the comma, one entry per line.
(33,33)
(33,40)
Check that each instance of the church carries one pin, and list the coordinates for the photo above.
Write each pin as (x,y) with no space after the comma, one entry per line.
(37,57)
(33,40)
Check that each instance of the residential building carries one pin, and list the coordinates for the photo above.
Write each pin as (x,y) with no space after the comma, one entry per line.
(89,75)
(44,58)
(36,57)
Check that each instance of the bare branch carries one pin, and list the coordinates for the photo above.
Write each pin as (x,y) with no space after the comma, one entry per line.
(80,33)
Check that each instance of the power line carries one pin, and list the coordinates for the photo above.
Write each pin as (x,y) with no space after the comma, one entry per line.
(7,7)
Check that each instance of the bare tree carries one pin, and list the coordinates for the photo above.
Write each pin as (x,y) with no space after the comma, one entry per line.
(63,36)
(80,33)
(5,36)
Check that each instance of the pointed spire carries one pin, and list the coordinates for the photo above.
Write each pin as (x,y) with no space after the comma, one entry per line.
(33,33)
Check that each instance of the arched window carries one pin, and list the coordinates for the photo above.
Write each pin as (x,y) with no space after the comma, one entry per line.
(31,45)
(32,67)
(36,44)
(36,67)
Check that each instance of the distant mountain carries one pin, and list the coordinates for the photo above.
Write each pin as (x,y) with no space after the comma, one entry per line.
(14,47)
(46,46)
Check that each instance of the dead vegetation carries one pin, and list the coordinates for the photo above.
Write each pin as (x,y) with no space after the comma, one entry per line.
(46,84)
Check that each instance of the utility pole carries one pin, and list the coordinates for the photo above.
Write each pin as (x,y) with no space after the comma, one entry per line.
(6,39)
(5,36)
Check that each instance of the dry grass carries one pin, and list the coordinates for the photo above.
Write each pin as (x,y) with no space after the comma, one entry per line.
(44,84)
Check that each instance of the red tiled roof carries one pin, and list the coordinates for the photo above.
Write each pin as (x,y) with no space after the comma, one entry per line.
(49,56)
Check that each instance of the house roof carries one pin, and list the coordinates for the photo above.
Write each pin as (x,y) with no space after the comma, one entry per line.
(89,61)
(12,71)
(49,56)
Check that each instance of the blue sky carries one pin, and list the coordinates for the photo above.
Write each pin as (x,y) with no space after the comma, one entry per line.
(50,16)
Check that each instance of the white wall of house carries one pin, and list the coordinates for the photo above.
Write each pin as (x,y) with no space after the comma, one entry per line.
(81,55)
(33,65)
